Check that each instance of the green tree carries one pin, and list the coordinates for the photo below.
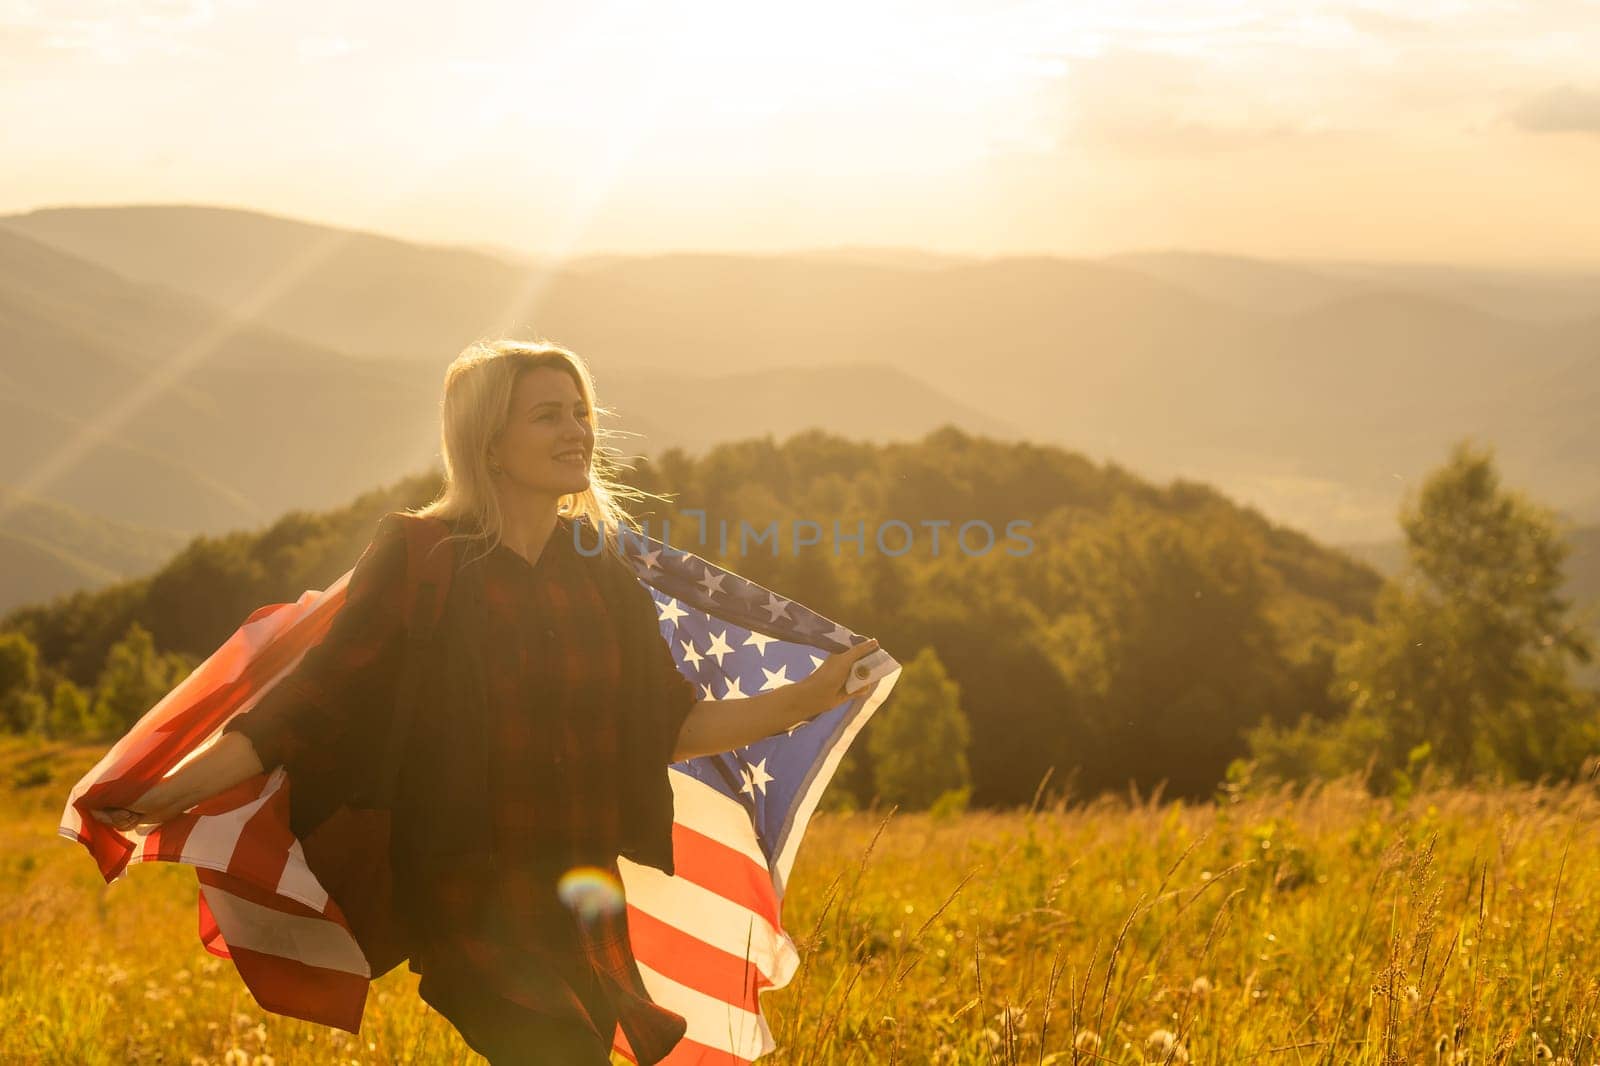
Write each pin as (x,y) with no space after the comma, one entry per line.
(1170,654)
(918,740)
(1467,662)
(68,715)
(19,675)
(134,679)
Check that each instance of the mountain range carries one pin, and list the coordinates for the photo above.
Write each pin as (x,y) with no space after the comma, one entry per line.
(194,369)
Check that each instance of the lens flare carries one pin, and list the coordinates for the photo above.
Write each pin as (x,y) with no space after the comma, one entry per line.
(590,892)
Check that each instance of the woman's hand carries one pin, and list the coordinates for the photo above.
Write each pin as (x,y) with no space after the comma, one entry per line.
(221,766)
(827,681)
(153,808)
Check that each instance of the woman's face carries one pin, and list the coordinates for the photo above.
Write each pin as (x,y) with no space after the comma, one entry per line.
(548,425)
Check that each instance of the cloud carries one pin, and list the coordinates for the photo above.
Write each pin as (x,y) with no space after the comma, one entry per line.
(1153,104)
(104,30)
(319,49)
(1370,20)
(1564,109)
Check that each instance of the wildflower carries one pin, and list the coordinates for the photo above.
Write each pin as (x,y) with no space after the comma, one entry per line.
(991,1036)
(1016,1014)
(1086,1041)
(1201,986)
(1163,1044)
(236,1057)
(1542,1052)
(262,1060)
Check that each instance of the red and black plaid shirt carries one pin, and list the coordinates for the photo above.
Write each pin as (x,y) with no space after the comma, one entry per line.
(551,658)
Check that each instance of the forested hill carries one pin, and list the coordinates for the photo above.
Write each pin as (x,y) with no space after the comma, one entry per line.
(1144,629)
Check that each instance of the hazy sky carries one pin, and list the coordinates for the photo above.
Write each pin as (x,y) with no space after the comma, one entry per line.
(1461,132)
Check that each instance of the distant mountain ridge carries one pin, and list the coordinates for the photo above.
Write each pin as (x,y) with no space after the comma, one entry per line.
(48,549)
(1317,392)
(137,403)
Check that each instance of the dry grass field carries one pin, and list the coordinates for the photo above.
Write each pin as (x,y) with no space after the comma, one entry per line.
(1278,928)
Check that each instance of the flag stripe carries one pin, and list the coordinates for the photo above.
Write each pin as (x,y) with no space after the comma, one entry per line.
(701,966)
(699,807)
(706,863)
(709,917)
(713,1021)
(313,941)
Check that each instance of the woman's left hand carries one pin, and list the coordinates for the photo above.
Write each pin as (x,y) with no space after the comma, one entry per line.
(827,681)
(152,809)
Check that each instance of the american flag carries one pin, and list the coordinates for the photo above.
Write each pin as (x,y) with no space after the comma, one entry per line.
(707,940)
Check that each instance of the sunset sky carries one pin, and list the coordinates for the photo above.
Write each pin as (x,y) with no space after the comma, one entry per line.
(1467,133)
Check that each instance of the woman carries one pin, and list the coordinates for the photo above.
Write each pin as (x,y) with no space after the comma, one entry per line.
(527,627)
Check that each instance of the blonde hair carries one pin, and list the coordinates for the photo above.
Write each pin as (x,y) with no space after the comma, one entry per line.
(474,409)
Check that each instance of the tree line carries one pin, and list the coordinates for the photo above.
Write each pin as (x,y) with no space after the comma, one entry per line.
(1154,635)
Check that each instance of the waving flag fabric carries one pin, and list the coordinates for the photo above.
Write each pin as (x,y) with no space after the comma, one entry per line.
(708,940)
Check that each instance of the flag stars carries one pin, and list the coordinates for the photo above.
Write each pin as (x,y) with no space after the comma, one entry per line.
(690,655)
(712,583)
(670,612)
(756,778)
(777,607)
(760,640)
(775,678)
(719,647)
(734,691)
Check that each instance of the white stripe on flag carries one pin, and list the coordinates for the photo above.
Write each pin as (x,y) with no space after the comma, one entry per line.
(698,806)
(711,1021)
(299,883)
(313,941)
(716,920)
(212,840)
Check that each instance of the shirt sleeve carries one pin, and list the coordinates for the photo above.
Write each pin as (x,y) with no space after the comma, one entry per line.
(667,695)
(302,720)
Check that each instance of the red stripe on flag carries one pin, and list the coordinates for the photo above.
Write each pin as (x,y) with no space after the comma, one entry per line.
(692,962)
(264,843)
(688,1052)
(210,933)
(728,872)
(311,993)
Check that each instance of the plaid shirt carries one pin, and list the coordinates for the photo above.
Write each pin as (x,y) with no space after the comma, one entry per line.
(555,673)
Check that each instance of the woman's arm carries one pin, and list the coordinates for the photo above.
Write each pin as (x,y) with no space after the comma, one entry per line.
(302,718)
(227,762)
(687,727)
(715,726)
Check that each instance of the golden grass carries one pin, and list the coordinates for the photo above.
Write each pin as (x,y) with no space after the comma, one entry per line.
(1298,928)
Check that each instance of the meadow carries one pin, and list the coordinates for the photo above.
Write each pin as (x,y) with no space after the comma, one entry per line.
(1273,926)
